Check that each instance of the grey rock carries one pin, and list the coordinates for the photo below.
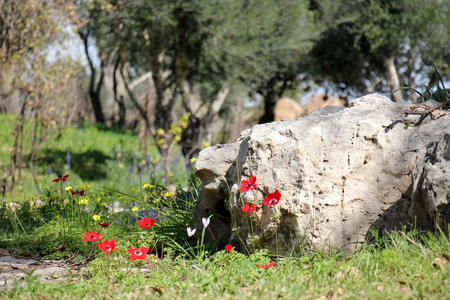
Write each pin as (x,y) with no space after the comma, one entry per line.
(342,172)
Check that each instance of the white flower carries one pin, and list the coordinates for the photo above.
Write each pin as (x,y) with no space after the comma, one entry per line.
(205,222)
(190,231)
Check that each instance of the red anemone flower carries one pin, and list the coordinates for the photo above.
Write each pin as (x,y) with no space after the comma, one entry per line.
(146,222)
(263,266)
(107,246)
(272,199)
(81,193)
(138,253)
(104,224)
(228,248)
(248,185)
(248,208)
(92,236)
(60,177)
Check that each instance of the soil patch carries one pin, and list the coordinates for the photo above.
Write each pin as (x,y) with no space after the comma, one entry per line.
(16,270)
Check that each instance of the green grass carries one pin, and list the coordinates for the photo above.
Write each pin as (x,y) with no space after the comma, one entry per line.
(395,268)
(99,156)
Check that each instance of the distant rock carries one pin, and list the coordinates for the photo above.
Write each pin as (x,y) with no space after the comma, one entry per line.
(287,108)
(341,172)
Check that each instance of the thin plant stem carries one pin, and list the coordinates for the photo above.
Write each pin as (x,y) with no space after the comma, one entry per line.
(140,180)
(162,230)
(213,238)
(203,237)
(64,214)
(276,241)
(18,220)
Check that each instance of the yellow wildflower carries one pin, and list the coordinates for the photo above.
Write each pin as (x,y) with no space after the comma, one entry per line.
(68,188)
(205,144)
(175,129)
(119,155)
(135,209)
(96,217)
(103,204)
(177,138)
(184,119)
(160,131)
(83,201)
(121,165)
(168,194)
(193,160)
(148,186)
(99,199)
(161,142)
(143,162)
(89,187)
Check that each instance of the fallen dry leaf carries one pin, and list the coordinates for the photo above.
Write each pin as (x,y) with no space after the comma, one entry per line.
(440,262)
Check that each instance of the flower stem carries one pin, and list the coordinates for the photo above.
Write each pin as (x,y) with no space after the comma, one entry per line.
(64,214)
(276,240)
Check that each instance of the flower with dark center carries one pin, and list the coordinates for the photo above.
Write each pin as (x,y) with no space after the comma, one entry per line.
(248,185)
(60,177)
(272,199)
(138,253)
(92,236)
(107,246)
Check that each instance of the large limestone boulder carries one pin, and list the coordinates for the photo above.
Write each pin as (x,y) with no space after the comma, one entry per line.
(341,172)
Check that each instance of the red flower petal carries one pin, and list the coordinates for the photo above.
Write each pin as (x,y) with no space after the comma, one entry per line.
(228,248)
(272,199)
(248,208)
(107,246)
(146,222)
(92,236)
(263,266)
(138,253)
(247,185)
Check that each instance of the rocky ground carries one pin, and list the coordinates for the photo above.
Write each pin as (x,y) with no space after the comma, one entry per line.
(16,270)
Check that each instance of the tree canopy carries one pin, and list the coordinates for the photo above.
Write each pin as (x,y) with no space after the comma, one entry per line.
(160,60)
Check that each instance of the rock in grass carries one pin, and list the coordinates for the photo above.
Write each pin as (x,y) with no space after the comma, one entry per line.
(341,172)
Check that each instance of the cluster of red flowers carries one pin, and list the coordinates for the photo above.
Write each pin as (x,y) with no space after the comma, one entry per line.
(141,253)
(250,184)
(108,246)
(270,200)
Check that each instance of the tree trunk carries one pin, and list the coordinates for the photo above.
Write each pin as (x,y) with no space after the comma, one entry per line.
(95,97)
(270,100)
(393,80)
(199,126)
(163,117)
(118,97)
(94,91)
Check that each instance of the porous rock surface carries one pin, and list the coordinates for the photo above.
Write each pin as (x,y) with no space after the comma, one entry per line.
(342,172)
